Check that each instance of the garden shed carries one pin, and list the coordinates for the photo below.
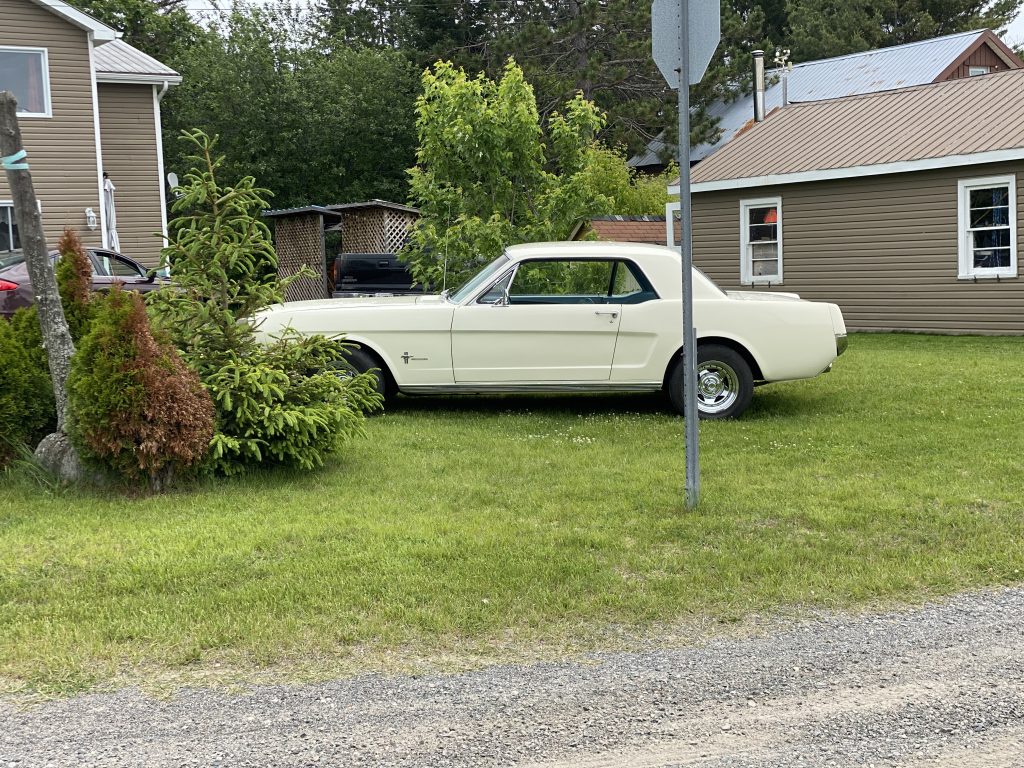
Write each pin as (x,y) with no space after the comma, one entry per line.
(373,226)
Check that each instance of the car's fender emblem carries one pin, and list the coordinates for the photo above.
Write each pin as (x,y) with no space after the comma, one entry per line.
(407,357)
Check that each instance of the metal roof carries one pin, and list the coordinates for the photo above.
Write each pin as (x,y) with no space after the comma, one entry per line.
(117,61)
(883,69)
(953,119)
(373,204)
(278,213)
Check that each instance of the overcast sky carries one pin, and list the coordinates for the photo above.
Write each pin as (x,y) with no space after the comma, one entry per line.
(1014,35)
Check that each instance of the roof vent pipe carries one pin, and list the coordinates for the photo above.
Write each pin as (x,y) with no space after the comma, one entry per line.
(758,86)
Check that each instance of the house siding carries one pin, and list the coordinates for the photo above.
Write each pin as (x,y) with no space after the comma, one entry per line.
(129,137)
(983,57)
(61,149)
(884,248)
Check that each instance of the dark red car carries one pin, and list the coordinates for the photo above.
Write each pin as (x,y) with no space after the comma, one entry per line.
(108,268)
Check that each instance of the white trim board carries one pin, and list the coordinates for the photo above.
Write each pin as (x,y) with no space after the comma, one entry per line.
(881,169)
(101,33)
(98,138)
(160,182)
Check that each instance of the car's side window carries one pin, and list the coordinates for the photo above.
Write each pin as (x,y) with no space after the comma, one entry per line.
(110,264)
(562,281)
(497,291)
(123,268)
(630,285)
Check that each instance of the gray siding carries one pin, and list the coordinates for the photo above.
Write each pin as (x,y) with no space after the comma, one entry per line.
(61,149)
(883,248)
(128,134)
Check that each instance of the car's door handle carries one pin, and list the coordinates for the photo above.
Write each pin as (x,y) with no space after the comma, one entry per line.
(614,313)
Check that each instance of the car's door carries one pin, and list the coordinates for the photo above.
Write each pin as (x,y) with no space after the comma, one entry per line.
(548,320)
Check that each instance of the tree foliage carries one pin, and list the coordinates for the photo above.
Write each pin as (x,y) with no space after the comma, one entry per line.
(135,407)
(821,28)
(74,281)
(276,403)
(26,391)
(161,28)
(485,178)
(315,120)
(27,410)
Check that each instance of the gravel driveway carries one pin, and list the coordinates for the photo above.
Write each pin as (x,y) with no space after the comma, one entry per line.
(940,685)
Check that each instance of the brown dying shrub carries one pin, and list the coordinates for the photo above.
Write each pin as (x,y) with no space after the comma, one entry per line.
(74,280)
(135,406)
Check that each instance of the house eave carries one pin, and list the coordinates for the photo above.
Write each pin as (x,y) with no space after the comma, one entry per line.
(880,169)
(137,79)
(100,32)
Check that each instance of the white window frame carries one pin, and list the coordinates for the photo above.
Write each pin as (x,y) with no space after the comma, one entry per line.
(7,204)
(977,70)
(747,276)
(44,54)
(967,270)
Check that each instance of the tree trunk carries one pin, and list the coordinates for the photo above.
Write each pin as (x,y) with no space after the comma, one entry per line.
(60,458)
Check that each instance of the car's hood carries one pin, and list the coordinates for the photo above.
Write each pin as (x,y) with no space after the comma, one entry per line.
(762,296)
(362,302)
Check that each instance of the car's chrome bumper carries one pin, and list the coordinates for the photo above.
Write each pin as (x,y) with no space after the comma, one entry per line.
(842,342)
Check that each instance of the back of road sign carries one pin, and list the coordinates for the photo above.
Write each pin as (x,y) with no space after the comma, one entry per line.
(704,30)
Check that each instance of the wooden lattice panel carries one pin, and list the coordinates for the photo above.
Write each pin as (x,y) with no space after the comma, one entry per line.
(375,230)
(300,242)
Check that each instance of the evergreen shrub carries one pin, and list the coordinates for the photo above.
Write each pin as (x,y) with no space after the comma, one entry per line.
(134,406)
(27,411)
(278,403)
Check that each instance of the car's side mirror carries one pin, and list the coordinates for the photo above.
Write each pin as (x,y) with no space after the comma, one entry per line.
(503,300)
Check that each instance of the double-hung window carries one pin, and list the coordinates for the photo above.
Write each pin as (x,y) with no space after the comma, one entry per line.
(25,72)
(9,239)
(761,240)
(987,227)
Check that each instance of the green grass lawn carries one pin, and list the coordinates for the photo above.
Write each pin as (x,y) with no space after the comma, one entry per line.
(495,527)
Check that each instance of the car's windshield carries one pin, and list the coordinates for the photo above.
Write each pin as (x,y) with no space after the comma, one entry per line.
(478,280)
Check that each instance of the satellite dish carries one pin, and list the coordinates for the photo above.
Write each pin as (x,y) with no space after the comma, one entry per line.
(172,180)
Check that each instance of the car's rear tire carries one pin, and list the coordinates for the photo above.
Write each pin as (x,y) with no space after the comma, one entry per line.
(725,383)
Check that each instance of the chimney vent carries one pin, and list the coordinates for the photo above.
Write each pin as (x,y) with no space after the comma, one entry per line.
(758,86)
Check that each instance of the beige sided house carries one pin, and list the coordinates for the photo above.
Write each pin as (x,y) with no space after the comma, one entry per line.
(904,207)
(88,103)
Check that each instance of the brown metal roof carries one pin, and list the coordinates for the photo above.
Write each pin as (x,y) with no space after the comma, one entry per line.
(959,117)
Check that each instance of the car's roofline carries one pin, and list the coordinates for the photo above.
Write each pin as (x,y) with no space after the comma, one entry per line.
(584,248)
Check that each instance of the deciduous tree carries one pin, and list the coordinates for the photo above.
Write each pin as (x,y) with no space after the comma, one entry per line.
(485,178)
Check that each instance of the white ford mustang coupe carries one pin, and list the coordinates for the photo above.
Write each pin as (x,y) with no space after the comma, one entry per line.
(578,317)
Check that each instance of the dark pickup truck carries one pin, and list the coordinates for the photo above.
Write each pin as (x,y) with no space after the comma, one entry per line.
(372,274)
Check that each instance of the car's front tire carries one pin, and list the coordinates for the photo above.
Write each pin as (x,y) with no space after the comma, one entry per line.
(725,383)
(360,361)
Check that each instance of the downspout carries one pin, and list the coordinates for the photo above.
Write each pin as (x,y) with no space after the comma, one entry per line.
(163,92)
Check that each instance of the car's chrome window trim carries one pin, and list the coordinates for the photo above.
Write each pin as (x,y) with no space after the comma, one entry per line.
(636,269)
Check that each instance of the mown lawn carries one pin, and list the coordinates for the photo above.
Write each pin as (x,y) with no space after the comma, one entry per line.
(494,527)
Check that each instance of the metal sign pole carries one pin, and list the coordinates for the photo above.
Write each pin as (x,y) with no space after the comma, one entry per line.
(686,251)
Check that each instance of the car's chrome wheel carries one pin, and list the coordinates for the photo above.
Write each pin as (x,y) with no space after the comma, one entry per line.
(725,383)
(718,387)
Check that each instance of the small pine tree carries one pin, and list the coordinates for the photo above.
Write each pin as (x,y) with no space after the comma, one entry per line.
(279,403)
(134,406)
